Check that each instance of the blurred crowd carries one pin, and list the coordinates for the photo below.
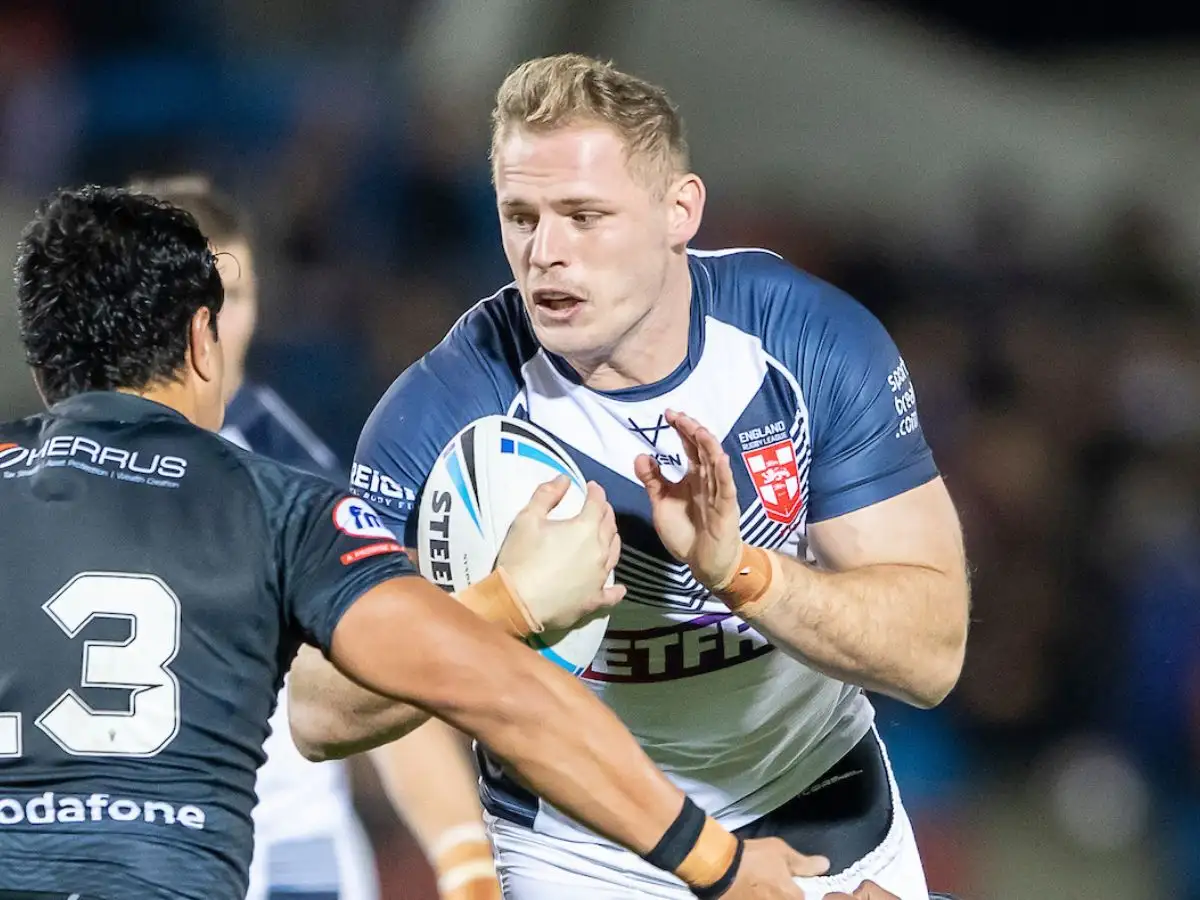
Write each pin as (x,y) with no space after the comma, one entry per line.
(1060,391)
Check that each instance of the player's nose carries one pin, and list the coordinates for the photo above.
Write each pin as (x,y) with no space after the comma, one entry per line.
(549,246)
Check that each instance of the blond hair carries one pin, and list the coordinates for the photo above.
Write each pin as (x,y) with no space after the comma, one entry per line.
(554,92)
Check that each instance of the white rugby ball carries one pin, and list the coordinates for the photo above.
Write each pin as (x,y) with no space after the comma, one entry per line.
(481,480)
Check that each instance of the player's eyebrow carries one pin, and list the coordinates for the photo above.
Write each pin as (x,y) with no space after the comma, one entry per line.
(565,203)
(577,202)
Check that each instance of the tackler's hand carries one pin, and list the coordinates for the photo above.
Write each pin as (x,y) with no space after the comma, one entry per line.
(559,566)
(697,517)
(868,890)
(768,869)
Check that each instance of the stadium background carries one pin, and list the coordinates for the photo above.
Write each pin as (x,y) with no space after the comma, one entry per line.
(1011,187)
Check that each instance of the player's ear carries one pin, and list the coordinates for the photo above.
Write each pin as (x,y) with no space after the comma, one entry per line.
(685,207)
(203,351)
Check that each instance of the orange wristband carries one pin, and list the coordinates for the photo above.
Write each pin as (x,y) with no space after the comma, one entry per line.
(711,856)
(495,599)
(754,585)
(462,860)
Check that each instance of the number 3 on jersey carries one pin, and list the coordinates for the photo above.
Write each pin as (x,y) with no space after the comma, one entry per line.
(138,664)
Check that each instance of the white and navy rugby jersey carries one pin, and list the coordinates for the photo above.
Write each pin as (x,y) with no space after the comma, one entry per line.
(814,405)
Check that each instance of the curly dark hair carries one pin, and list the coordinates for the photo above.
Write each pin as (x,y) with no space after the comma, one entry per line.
(108,281)
(218,216)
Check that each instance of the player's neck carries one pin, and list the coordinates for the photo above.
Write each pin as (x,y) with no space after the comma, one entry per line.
(233,384)
(654,347)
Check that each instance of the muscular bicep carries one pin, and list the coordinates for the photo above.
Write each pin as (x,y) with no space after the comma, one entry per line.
(918,527)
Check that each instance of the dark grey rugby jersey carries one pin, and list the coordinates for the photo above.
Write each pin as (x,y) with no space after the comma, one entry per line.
(155,584)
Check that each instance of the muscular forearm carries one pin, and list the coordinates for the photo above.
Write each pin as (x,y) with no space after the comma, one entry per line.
(332,717)
(896,629)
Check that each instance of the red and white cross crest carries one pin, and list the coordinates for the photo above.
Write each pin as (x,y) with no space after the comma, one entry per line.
(776,476)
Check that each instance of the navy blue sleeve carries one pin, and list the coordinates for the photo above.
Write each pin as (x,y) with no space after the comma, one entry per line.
(330,548)
(460,380)
(867,443)
(337,548)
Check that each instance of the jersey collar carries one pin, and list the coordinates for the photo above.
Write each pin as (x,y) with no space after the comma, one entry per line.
(113,406)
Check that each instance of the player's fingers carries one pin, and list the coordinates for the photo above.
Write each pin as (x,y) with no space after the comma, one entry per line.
(614,551)
(608,523)
(681,421)
(716,461)
(596,504)
(650,475)
(611,596)
(805,866)
(726,486)
(869,890)
(548,495)
(606,598)
(706,441)
(685,426)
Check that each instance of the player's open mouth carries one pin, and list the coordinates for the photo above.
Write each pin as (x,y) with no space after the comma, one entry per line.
(556,304)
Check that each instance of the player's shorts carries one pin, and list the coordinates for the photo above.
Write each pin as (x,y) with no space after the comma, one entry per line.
(42,895)
(852,815)
(336,865)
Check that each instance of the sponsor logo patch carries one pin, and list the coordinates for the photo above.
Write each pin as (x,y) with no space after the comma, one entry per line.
(353,556)
(356,518)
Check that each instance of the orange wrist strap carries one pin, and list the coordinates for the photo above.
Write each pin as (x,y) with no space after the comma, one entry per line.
(711,856)
(495,599)
(463,862)
(754,585)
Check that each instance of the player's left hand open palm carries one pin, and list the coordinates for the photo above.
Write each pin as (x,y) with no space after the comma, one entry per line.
(697,517)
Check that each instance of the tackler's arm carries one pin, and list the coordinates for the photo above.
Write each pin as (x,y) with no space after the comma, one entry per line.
(332,717)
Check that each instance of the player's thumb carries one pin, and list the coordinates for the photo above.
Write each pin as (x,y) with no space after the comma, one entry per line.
(645,467)
(548,495)
(803,866)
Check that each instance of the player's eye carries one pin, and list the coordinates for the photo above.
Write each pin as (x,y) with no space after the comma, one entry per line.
(585,219)
(522,221)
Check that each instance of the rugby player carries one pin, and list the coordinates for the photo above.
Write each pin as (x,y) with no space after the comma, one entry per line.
(814,556)
(158,580)
(307,838)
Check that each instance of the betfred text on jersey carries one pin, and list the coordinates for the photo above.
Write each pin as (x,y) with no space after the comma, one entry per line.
(704,644)
(90,456)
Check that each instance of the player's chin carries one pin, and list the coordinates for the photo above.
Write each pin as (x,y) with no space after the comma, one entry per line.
(564,335)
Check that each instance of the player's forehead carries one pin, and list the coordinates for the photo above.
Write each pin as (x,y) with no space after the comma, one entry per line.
(575,161)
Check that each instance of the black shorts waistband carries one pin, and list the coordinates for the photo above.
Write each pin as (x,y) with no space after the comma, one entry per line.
(843,815)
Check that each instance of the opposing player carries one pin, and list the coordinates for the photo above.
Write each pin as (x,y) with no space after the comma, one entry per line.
(158,579)
(833,561)
(308,838)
